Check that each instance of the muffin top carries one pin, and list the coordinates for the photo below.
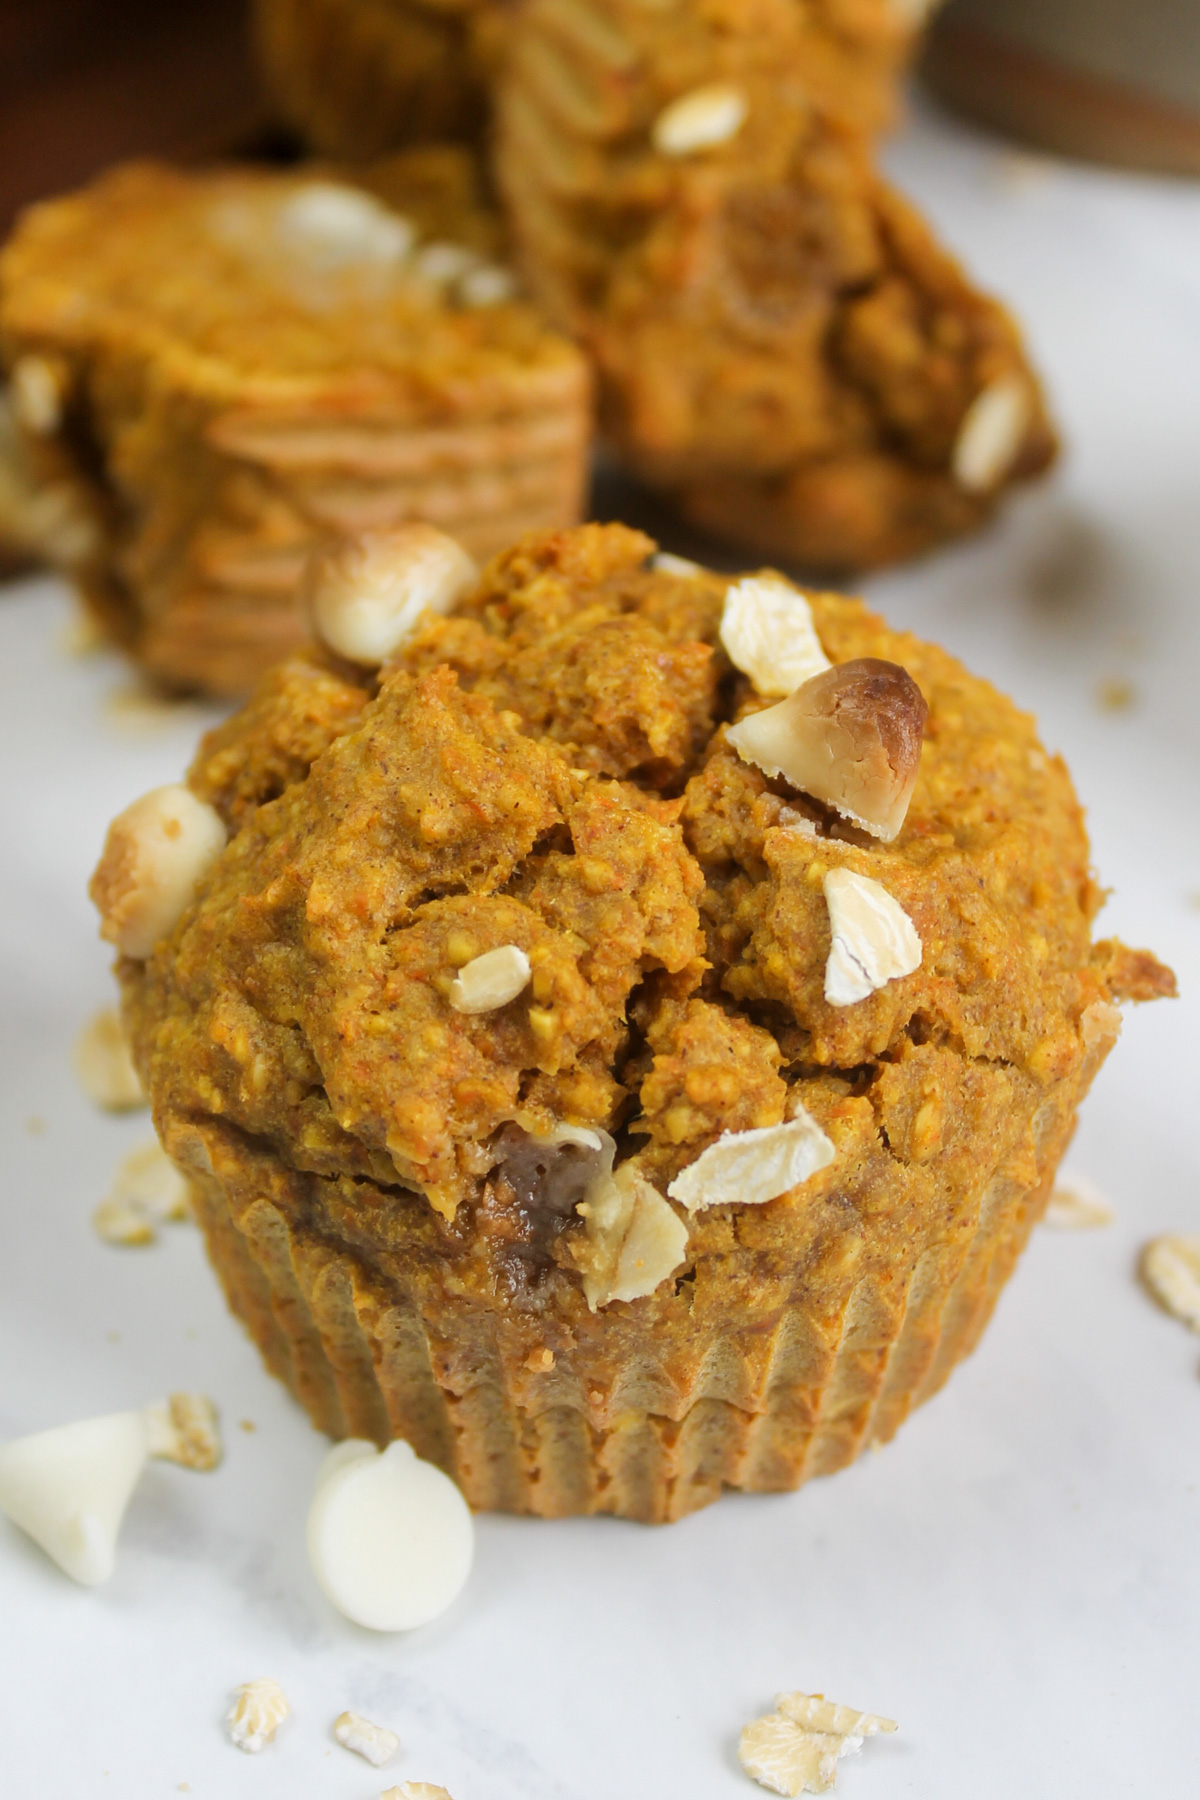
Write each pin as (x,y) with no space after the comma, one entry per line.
(547,773)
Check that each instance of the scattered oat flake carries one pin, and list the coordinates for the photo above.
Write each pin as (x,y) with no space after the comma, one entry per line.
(796,1749)
(415,1790)
(752,1167)
(104,1065)
(1076,1204)
(147,1191)
(259,1709)
(184,1428)
(1171,1270)
(118,1222)
(374,1742)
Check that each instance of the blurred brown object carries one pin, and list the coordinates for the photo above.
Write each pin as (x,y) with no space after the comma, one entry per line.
(84,83)
(1114,81)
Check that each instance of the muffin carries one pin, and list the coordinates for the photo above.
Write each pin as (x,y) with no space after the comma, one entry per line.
(360,77)
(217,371)
(620,1027)
(781,344)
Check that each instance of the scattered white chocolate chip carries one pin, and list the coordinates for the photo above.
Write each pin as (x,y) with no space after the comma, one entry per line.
(1171,1270)
(415,1790)
(748,1168)
(390,1537)
(35,387)
(850,736)
(664,563)
(444,262)
(634,1239)
(1077,1204)
(365,596)
(768,633)
(69,1487)
(184,1429)
(104,1065)
(700,120)
(874,940)
(487,286)
(490,980)
(991,434)
(335,225)
(258,1710)
(796,1749)
(374,1742)
(147,1191)
(155,853)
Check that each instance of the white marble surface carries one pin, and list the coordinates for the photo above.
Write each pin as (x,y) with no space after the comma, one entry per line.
(1017,1578)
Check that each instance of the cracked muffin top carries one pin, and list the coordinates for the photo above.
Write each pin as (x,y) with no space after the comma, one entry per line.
(516,893)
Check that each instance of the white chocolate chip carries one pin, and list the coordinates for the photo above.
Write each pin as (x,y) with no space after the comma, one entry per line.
(748,1168)
(874,940)
(415,1790)
(390,1537)
(700,120)
(796,1748)
(36,391)
(490,980)
(634,1239)
(1077,1204)
(487,286)
(258,1710)
(184,1429)
(443,262)
(991,434)
(69,1487)
(664,563)
(334,225)
(374,1742)
(104,1065)
(365,596)
(768,633)
(156,852)
(1171,1270)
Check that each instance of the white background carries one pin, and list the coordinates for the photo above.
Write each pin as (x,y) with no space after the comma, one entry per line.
(1017,1578)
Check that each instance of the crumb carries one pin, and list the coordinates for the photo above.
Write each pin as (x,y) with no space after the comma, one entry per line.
(247,1425)
(35,1125)
(114,1337)
(1115,694)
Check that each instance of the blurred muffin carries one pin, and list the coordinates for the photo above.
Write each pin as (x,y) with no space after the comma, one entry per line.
(617,1102)
(219,370)
(781,343)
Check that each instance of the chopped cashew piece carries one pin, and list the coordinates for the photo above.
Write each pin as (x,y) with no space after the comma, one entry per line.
(259,1709)
(36,389)
(749,1168)
(415,1790)
(365,596)
(664,563)
(634,1239)
(147,1191)
(490,980)
(850,736)
(374,1742)
(796,1749)
(332,224)
(991,434)
(1171,1270)
(155,853)
(104,1065)
(874,940)
(184,1429)
(768,633)
(390,1538)
(69,1487)
(1076,1204)
(700,120)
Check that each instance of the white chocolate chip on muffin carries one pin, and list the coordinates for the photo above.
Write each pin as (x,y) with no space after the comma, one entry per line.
(706,117)
(365,596)
(768,633)
(748,1168)
(851,737)
(259,1709)
(874,940)
(491,980)
(156,852)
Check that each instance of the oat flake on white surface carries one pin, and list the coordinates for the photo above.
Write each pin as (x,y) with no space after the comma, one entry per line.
(147,1191)
(415,1790)
(796,1749)
(1076,1204)
(874,940)
(104,1065)
(768,633)
(375,1743)
(185,1429)
(749,1168)
(1171,1270)
(258,1710)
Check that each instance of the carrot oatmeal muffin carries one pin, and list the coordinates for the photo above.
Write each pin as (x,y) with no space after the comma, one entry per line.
(219,370)
(360,77)
(620,1026)
(781,343)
